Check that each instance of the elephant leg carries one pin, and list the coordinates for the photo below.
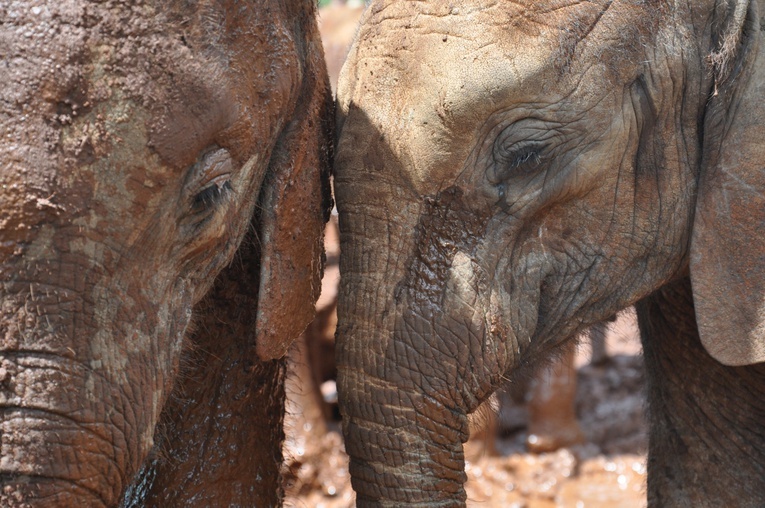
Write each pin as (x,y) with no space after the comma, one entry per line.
(597,335)
(552,409)
(706,441)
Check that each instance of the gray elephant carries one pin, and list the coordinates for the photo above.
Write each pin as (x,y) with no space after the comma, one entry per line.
(163,191)
(509,173)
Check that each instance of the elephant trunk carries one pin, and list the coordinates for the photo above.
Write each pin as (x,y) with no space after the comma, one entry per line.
(48,458)
(68,434)
(400,454)
(57,450)
(404,438)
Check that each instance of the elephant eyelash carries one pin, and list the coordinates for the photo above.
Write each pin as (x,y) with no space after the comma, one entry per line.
(212,174)
(210,196)
(530,156)
(527,155)
(517,160)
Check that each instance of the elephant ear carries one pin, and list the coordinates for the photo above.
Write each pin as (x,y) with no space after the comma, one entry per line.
(728,243)
(296,202)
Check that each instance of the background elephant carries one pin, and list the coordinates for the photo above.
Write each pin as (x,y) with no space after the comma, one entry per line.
(146,148)
(510,173)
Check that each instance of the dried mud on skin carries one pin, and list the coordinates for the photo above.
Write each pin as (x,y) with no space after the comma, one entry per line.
(608,470)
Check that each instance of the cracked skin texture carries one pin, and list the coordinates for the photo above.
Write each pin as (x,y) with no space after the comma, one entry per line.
(142,143)
(510,173)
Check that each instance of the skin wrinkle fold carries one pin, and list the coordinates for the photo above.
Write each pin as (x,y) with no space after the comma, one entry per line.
(20,402)
(95,454)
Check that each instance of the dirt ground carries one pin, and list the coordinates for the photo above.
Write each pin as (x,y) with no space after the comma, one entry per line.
(607,470)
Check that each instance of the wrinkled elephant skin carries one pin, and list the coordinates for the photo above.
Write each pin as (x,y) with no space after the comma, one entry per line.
(142,143)
(510,173)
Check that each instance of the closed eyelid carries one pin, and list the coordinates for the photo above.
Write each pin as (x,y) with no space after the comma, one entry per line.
(518,159)
(213,164)
(217,164)
(208,179)
(518,154)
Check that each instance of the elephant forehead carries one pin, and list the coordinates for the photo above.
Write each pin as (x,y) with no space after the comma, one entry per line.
(438,127)
(102,89)
(431,77)
(197,67)
(428,102)
(59,70)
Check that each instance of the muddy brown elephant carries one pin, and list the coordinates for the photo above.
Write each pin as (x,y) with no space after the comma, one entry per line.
(163,190)
(509,173)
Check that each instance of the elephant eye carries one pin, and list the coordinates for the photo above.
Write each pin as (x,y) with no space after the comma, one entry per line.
(210,183)
(517,159)
(211,195)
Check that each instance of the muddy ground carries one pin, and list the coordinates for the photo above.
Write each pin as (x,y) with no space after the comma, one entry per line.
(607,470)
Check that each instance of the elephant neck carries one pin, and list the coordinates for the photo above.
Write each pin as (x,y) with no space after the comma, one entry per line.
(705,418)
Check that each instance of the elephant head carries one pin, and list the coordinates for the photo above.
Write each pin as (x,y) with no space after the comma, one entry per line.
(141,142)
(509,173)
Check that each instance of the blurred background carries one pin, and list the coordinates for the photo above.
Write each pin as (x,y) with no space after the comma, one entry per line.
(573,436)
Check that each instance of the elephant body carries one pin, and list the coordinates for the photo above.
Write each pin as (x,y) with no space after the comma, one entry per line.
(510,173)
(162,198)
